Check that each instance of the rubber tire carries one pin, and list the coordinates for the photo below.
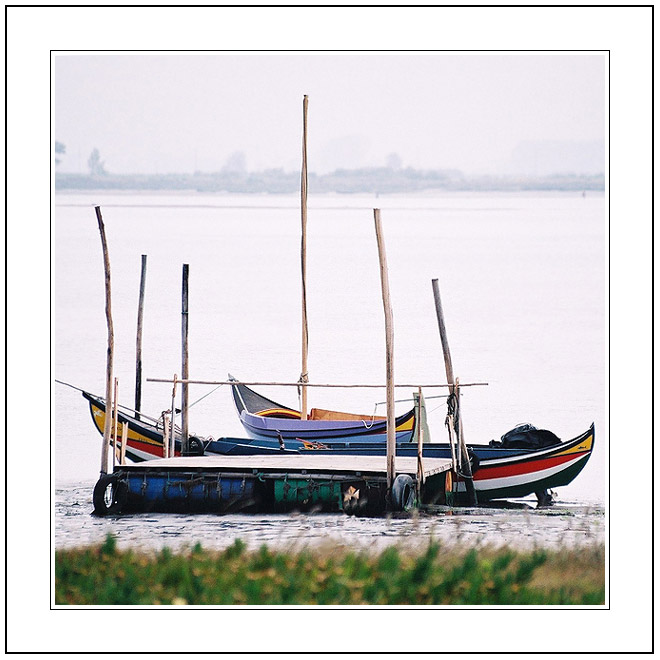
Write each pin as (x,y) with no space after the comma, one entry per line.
(403,493)
(195,446)
(118,495)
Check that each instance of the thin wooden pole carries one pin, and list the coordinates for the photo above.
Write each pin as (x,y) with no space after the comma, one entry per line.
(107,427)
(138,340)
(184,361)
(389,352)
(466,468)
(124,440)
(303,264)
(452,441)
(115,419)
(172,447)
(166,436)
(420,440)
(449,370)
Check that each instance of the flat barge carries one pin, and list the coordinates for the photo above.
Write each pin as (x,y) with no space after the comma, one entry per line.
(356,485)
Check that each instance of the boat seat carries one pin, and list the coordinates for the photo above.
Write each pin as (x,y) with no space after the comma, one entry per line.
(318,414)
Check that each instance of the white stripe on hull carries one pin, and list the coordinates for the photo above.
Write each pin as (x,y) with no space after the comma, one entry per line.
(518,479)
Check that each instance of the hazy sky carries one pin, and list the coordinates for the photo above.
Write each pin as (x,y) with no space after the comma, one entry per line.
(184,111)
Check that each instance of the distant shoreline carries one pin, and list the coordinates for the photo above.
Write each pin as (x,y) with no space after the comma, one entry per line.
(376,181)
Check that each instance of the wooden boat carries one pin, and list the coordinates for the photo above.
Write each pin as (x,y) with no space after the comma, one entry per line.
(499,472)
(264,419)
(498,477)
(145,435)
(145,438)
(503,472)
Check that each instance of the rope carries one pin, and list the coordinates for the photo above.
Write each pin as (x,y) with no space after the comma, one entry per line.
(373,418)
(304,378)
(161,422)
(204,397)
(452,411)
(451,420)
(101,398)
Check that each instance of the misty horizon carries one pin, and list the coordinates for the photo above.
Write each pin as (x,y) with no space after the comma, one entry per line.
(529,114)
(530,158)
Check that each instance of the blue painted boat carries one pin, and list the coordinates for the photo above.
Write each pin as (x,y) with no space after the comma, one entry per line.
(271,422)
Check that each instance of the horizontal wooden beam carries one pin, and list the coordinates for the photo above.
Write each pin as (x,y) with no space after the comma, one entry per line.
(264,383)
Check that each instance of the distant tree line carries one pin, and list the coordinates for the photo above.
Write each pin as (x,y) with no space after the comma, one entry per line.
(234,178)
(374,180)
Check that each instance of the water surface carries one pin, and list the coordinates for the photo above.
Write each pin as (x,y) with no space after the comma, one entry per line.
(565,524)
(523,283)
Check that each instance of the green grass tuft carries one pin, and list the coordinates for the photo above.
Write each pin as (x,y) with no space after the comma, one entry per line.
(104,575)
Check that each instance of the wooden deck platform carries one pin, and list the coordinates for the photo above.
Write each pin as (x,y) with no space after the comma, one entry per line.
(294,463)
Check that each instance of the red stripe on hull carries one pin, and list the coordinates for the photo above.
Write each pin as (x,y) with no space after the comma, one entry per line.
(524,467)
(146,447)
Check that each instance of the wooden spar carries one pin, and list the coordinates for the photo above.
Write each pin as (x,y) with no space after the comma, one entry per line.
(172,446)
(464,462)
(184,361)
(138,340)
(166,436)
(389,352)
(124,440)
(420,440)
(466,471)
(192,381)
(107,428)
(443,333)
(449,370)
(467,467)
(115,424)
(303,264)
(452,440)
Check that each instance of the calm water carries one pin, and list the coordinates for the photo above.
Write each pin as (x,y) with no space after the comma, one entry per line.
(566,524)
(523,282)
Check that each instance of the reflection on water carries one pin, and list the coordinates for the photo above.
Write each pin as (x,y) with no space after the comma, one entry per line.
(567,523)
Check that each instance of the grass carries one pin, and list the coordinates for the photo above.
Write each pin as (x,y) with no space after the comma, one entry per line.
(104,575)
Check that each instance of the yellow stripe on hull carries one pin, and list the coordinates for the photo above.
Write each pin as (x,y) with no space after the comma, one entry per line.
(99,419)
(407,426)
(585,445)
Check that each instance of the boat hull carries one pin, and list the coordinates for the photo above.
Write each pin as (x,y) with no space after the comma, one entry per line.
(501,473)
(271,429)
(145,439)
(266,420)
(532,472)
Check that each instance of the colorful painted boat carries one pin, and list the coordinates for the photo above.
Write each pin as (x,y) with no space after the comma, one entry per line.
(145,438)
(499,472)
(145,435)
(267,420)
(500,477)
